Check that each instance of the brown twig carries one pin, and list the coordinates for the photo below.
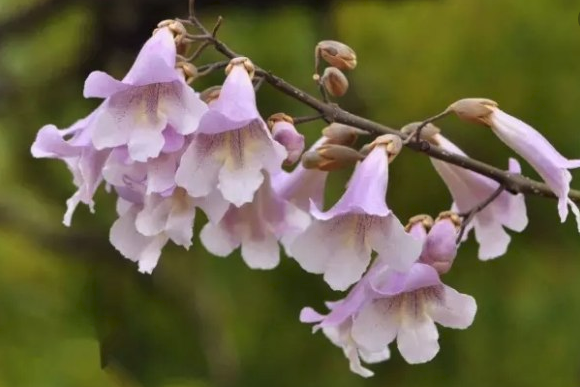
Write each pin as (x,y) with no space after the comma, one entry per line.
(511,182)
(305,119)
(469,215)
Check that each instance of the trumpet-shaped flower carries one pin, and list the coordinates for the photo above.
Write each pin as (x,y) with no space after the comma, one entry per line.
(469,189)
(153,97)
(144,228)
(339,242)
(232,147)
(256,227)
(73,146)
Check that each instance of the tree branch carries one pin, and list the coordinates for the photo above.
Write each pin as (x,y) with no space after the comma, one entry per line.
(513,183)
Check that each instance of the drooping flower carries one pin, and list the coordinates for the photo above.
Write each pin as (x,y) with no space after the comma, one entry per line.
(439,239)
(528,143)
(144,228)
(337,326)
(151,98)
(339,242)
(74,147)
(386,305)
(469,189)
(232,147)
(256,227)
(406,306)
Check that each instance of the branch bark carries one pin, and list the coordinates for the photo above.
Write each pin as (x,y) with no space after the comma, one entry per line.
(513,183)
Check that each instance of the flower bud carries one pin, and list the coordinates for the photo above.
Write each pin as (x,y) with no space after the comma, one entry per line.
(392,143)
(188,70)
(210,94)
(284,132)
(427,132)
(337,54)
(425,220)
(441,248)
(177,29)
(452,216)
(341,134)
(334,81)
(475,110)
(329,157)
(242,61)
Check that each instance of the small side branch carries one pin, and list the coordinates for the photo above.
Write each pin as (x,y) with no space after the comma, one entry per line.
(468,216)
(333,113)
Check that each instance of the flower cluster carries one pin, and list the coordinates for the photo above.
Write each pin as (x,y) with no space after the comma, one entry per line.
(166,151)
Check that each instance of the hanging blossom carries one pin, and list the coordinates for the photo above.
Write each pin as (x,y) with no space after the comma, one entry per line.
(148,221)
(386,304)
(528,143)
(339,242)
(256,227)
(469,189)
(278,211)
(74,147)
(232,147)
(151,99)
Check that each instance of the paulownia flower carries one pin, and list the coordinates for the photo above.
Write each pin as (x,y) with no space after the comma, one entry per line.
(74,147)
(151,98)
(256,227)
(528,143)
(232,147)
(469,189)
(386,305)
(339,242)
(144,228)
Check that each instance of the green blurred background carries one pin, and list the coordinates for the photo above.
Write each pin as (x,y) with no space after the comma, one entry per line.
(70,304)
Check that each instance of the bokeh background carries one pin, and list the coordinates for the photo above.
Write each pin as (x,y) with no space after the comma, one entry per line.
(74,313)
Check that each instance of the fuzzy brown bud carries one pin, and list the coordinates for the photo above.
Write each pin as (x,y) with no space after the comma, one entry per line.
(475,110)
(329,157)
(425,220)
(392,143)
(210,94)
(177,29)
(188,70)
(337,54)
(341,134)
(334,82)
(242,61)
(278,117)
(452,216)
(427,132)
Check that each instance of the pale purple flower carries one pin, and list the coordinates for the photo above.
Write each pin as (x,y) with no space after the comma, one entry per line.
(470,189)
(542,156)
(386,305)
(232,146)
(74,147)
(337,325)
(439,243)
(144,228)
(406,307)
(157,174)
(339,242)
(286,134)
(153,97)
(256,227)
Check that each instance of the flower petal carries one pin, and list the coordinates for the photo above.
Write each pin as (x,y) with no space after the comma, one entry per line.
(417,340)
(455,311)
(375,326)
